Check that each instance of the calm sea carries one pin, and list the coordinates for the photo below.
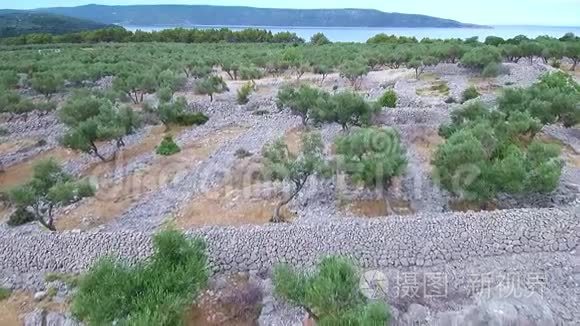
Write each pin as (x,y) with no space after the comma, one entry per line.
(363,34)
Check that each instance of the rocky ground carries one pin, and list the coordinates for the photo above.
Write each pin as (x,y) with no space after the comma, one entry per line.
(521,260)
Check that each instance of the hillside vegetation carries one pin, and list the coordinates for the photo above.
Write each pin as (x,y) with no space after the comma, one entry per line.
(246,16)
(15,23)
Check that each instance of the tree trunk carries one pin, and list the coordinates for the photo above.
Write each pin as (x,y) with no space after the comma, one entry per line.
(210,97)
(230,74)
(575,63)
(277,218)
(96,152)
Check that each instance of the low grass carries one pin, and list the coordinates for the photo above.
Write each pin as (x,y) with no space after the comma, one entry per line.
(157,291)
(438,88)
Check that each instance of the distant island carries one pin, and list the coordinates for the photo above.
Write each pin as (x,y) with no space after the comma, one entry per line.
(192,15)
(15,23)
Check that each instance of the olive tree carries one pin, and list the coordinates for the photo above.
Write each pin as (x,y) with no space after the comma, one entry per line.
(211,85)
(330,295)
(50,187)
(135,85)
(371,156)
(319,39)
(46,84)
(419,64)
(282,165)
(346,109)
(481,57)
(572,52)
(91,119)
(301,101)
(354,71)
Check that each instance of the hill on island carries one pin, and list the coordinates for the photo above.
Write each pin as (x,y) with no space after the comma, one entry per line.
(15,23)
(184,15)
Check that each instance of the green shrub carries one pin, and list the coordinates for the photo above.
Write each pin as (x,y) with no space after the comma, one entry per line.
(5,293)
(164,94)
(491,70)
(331,294)
(389,99)
(4,131)
(156,291)
(371,156)
(190,119)
(244,92)
(250,73)
(20,216)
(345,108)
(469,93)
(167,147)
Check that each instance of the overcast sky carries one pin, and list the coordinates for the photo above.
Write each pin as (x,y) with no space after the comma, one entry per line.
(491,12)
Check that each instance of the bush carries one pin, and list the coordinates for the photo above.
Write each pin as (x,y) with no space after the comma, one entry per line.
(301,101)
(450,100)
(469,93)
(331,294)
(491,70)
(480,57)
(156,291)
(489,152)
(346,109)
(389,99)
(242,153)
(319,39)
(20,217)
(167,147)
(244,93)
(164,94)
(250,73)
(371,156)
(5,293)
(190,119)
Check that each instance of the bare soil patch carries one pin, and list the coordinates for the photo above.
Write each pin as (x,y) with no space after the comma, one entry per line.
(485,85)
(293,139)
(113,198)
(237,304)
(243,198)
(20,173)
(12,146)
(426,144)
(379,207)
(19,303)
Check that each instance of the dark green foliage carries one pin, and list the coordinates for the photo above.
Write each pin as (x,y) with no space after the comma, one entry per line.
(20,216)
(480,57)
(319,39)
(346,109)
(331,294)
(491,70)
(176,112)
(243,94)
(250,73)
(167,147)
(301,101)
(419,64)
(388,99)
(5,293)
(46,84)
(371,156)
(17,23)
(469,94)
(494,40)
(156,291)
(211,85)
(9,79)
(282,165)
(489,151)
(50,187)
(554,98)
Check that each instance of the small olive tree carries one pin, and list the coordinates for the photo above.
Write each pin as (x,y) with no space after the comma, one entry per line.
(212,85)
(301,101)
(331,295)
(345,108)
(354,71)
(46,84)
(282,165)
(371,156)
(50,187)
